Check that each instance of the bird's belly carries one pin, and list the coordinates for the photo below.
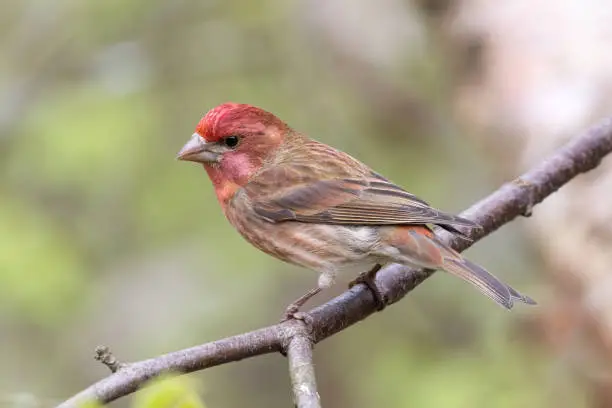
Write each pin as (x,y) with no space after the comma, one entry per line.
(321,247)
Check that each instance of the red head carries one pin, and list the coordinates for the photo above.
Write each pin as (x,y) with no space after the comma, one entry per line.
(233,141)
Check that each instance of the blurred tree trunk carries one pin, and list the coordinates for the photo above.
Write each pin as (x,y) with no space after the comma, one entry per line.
(530,74)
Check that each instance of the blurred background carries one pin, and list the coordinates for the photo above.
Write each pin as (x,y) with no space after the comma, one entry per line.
(106,239)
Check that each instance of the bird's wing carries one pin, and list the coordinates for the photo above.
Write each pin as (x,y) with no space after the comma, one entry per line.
(367,199)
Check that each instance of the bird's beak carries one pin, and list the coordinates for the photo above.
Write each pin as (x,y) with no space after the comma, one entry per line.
(197,150)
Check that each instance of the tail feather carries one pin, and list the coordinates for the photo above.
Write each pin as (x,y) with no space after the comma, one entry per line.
(521,298)
(483,280)
(421,247)
(486,282)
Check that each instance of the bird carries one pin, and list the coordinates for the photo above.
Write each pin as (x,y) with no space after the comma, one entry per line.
(309,204)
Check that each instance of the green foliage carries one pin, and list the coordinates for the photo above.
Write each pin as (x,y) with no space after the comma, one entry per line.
(36,260)
(163,392)
(91,404)
(168,392)
(106,138)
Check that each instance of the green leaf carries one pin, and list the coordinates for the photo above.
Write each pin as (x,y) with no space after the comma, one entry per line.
(91,404)
(168,392)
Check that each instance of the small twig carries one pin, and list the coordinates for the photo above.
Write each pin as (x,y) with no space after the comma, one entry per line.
(106,357)
(301,370)
(580,155)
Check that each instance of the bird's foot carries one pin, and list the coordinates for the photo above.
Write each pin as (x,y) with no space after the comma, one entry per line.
(293,313)
(290,312)
(369,280)
(293,310)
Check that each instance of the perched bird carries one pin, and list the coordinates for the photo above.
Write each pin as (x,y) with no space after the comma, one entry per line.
(309,204)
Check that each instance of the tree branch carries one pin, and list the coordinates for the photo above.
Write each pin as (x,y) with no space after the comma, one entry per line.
(301,370)
(516,198)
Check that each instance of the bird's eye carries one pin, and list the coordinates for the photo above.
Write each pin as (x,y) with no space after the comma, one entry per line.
(231,141)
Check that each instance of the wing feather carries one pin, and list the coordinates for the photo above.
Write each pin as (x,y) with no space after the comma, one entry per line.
(366,200)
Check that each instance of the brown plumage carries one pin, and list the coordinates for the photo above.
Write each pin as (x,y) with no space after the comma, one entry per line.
(309,204)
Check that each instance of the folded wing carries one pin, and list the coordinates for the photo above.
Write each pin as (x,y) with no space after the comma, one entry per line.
(366,200)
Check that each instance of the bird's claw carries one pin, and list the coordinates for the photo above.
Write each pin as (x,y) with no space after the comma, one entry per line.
(369,281)
(304,317)
(292,313)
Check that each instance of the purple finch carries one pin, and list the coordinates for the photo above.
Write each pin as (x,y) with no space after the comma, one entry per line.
(309,204)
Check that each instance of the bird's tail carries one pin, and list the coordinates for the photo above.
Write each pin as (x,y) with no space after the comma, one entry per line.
(483,280)
(420,247)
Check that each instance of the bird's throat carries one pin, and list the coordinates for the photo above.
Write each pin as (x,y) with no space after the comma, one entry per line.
(225,188)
